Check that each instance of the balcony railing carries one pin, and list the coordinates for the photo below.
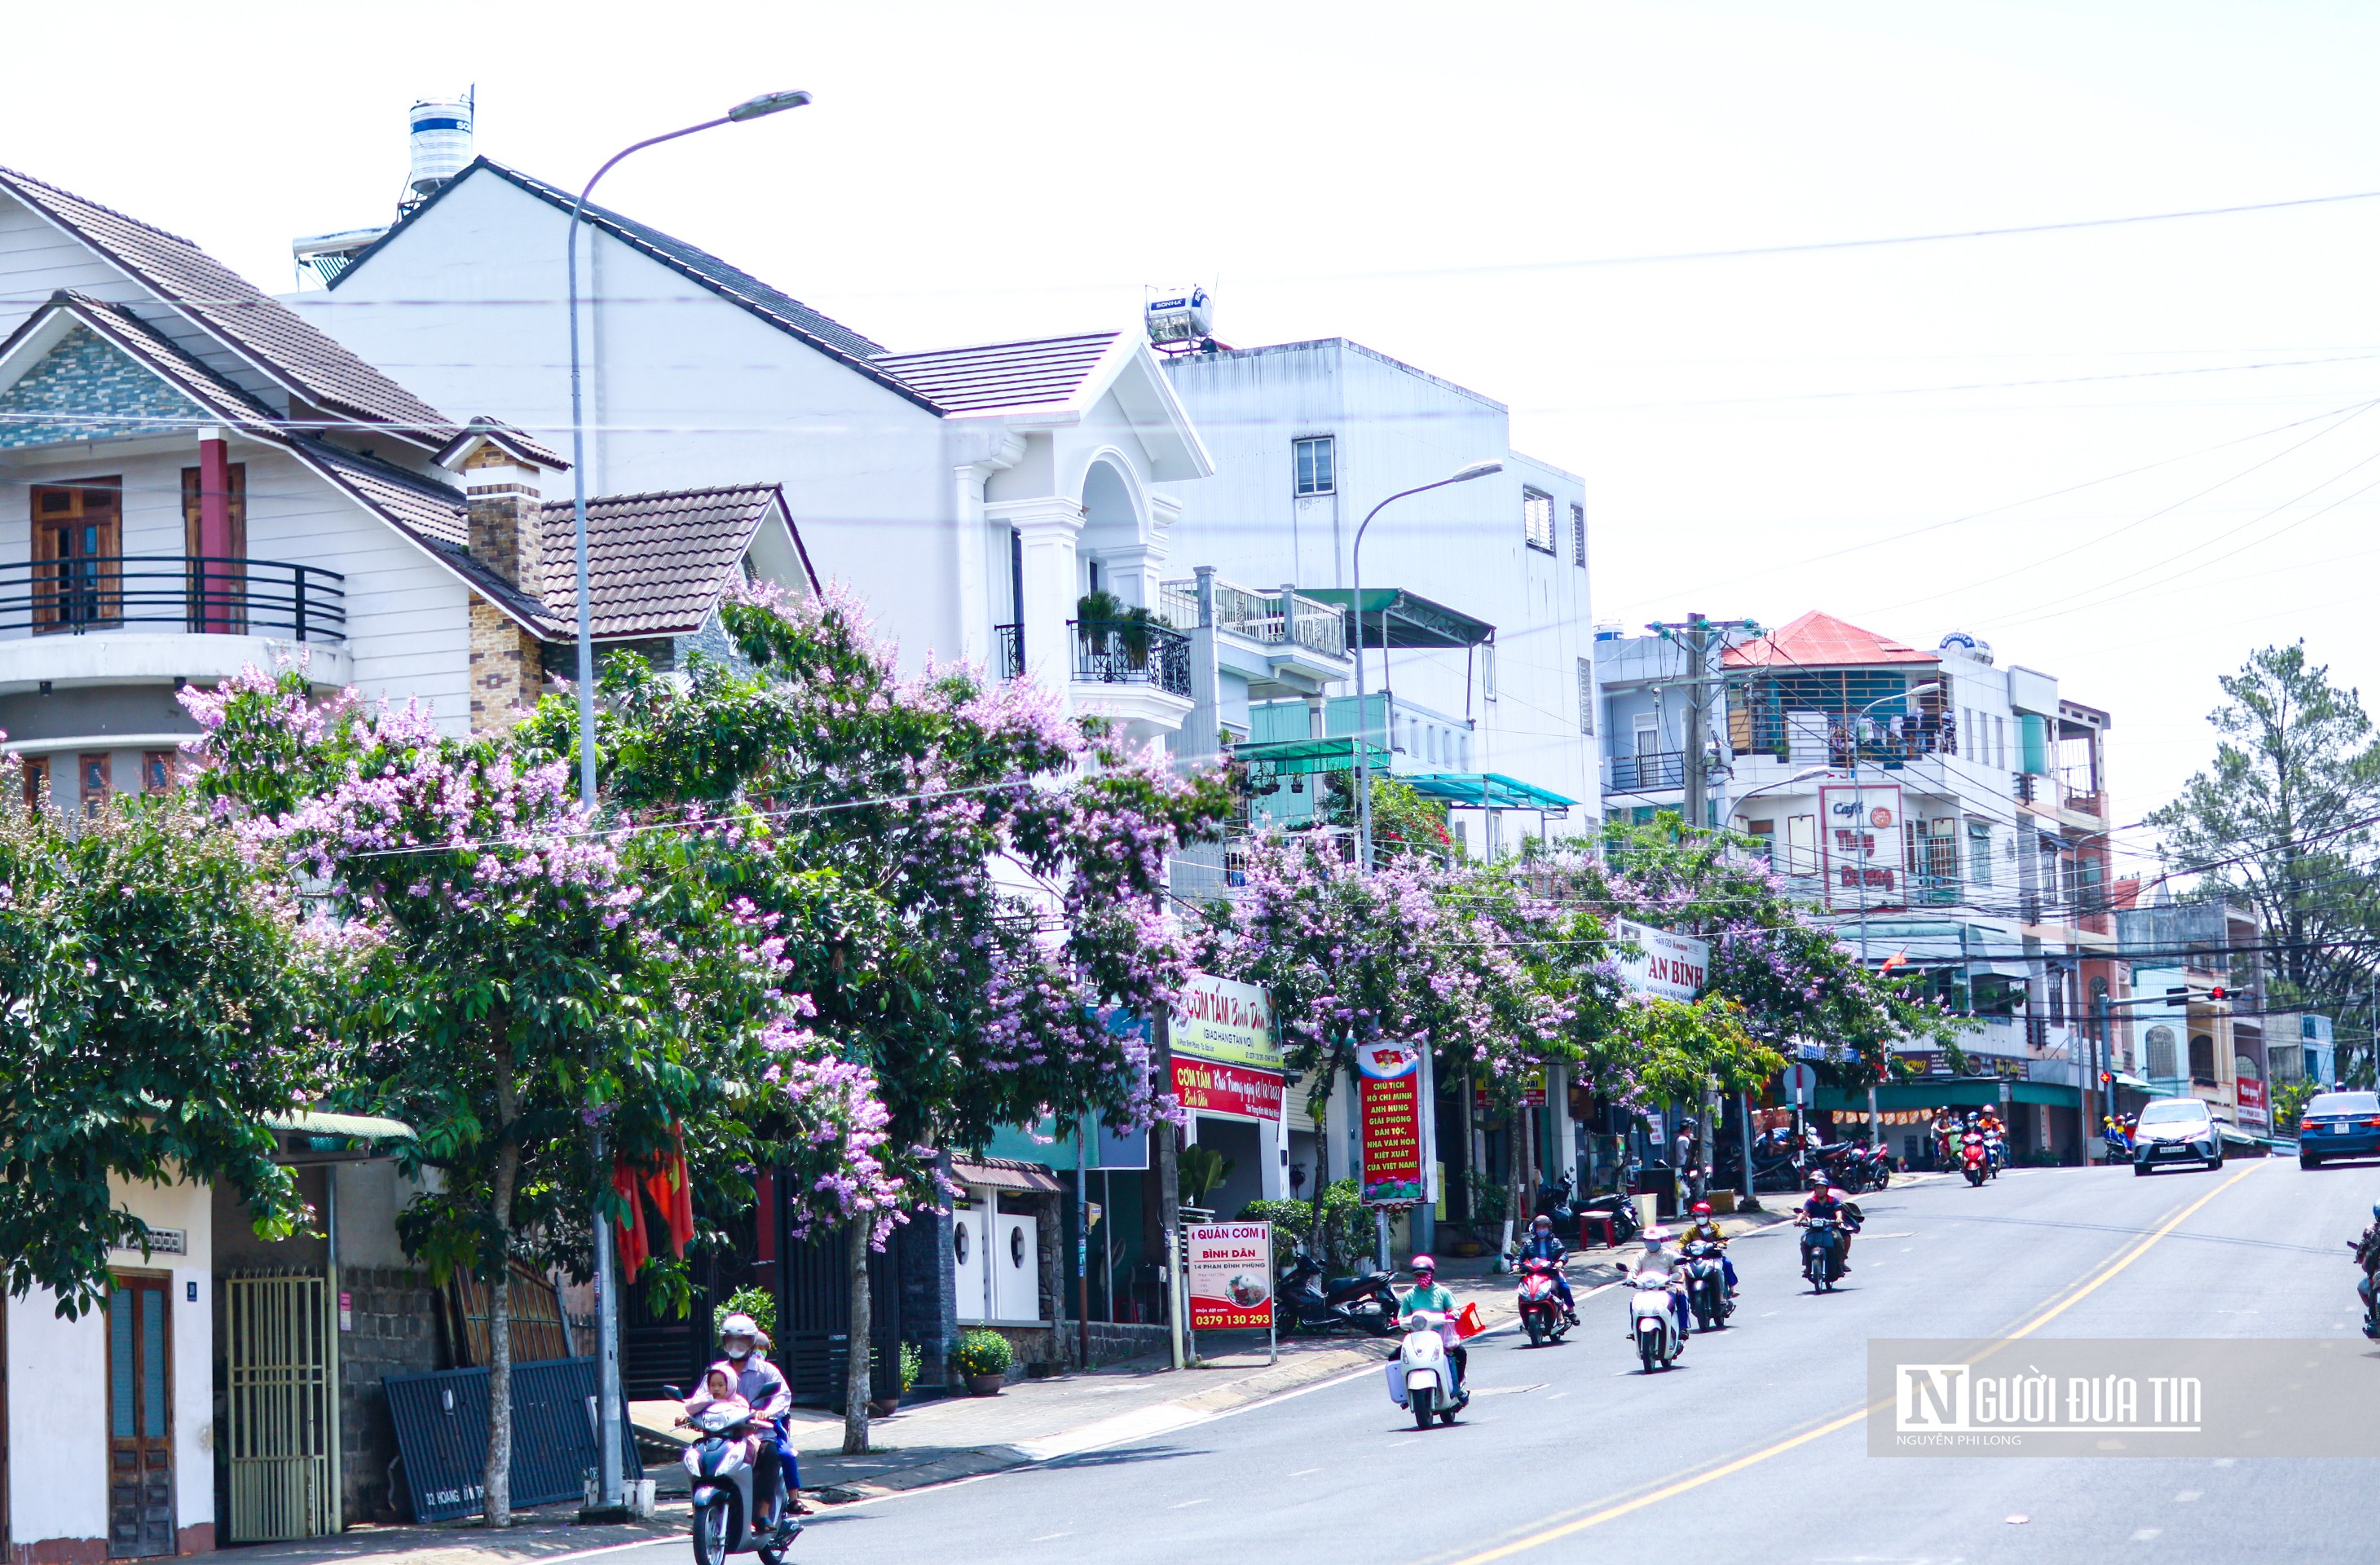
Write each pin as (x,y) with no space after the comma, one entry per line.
(1256,615)
(201,595)
(1643,773)
(1816,738)
(1008,650)
(1132,653)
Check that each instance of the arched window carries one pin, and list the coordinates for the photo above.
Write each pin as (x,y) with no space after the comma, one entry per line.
(2202,1057)
(2158,1041)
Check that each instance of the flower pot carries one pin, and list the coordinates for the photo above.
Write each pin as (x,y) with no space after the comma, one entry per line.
(985,1384)
(884,1407)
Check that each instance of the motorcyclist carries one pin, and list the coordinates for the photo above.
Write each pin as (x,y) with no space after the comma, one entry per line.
(1544,1245)
(1426,1295)
(1705,1228)
(1825,1201)
(760,1383)
(1658,1260)
(1946,1137)
(2367,1256)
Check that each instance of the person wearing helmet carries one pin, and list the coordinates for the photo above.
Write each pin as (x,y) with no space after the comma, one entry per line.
(1427,1294)
(1825,1201)
(1705,1228)
(2367,1256)
(1544,1245)
(1659,1260)
(760,1383)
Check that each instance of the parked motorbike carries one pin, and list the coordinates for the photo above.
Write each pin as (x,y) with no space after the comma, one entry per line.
(1428,1375)
(1706,1284)
(1822,1252)
(1621,1210)
(1542,1316)
(1554,1201)
(1652,1323)
(727,1492)
(1975,1158)
(1308,1303)
(1880,1166)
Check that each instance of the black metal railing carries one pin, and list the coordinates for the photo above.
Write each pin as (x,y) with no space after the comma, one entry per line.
(203,595)
(1008,650)
(1132,653)
(1836,739)
(1660,769)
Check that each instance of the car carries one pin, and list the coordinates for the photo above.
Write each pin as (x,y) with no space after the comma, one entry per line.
(2338,1124)
(2176,1130)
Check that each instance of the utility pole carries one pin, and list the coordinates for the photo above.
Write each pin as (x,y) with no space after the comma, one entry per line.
(1696,642)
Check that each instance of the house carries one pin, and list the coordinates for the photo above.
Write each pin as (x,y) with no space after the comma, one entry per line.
(1939,808)
(1476,596)
(2199,1024)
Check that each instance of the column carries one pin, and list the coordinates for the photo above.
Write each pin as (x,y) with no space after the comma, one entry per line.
(1050,528)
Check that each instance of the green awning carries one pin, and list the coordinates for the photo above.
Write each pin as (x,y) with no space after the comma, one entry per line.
(1940,1092)
(357,1127)
(1406,619)
(1300,757)
(1485,790)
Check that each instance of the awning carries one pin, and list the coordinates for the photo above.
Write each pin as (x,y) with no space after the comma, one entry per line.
(1485,790)
(1299,757)
(2138,1083)
(1006,1173)
(356,1127)
(1942,1092)
(1397,618)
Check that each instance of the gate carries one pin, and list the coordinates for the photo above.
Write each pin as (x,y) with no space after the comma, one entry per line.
(279,1404)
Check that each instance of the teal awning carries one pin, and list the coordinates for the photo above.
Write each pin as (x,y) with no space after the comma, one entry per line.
(1396,618)
(1300,757)
(1485,790)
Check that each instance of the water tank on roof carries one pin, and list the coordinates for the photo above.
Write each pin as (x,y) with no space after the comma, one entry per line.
(441,129)
(1180,320)
(1967,646)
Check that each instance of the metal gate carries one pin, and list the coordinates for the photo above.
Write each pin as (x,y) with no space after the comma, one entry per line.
(280,1421)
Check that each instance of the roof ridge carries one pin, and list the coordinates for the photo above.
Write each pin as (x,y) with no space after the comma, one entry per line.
(6,173)
(685,493)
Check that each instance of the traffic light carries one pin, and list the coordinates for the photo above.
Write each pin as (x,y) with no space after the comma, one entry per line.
(2105,1078)
(2218,992)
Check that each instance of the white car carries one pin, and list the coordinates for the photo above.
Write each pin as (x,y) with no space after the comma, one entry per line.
(2176,1130)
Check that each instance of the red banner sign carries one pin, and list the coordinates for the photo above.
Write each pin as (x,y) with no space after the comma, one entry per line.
(2252,1096)
(1396,1168)
(1204,1087)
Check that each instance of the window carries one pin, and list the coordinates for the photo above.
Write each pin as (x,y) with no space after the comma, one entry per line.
(93,770)
(77,555)
(1317,468)
(1586,697)
(37,781)
(157,771)
(1538,518)
(1578,536)
(1979,853)
(1764,838)
(1487,671)
(2202,1059)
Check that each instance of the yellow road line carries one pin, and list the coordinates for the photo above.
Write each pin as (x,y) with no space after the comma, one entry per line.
(1727,1469)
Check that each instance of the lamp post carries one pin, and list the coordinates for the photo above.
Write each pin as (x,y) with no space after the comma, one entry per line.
(607,1304)
(1363,712)
(1859,805)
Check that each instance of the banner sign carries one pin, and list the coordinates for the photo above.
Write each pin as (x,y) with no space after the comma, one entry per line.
(1860,846)
(1230,1276)
(1205,1089)
(1227,1021)
(2252,1100)
(1673,967)
(1393,1103)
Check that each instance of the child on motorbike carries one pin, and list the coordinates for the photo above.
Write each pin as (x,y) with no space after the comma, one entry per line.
(718,1395)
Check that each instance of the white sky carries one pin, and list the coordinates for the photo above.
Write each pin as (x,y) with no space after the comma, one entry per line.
(977,170)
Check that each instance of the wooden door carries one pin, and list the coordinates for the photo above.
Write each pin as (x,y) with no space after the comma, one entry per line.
(140,1418)
(78,554)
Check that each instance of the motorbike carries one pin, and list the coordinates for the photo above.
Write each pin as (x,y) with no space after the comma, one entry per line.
(2367,1256)
(1428,1377)
(1542,1316)
(1554,1201)
(1974,1158)
(727,1492)
(1706,1285)
(1652,1323)
(1997,1145)
(2118,1145)
(1822,1252)
(1621,1209)
(1881,1166)
(1306,1303)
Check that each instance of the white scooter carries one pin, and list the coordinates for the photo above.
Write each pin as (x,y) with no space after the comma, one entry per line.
(1652,1323)
(1422,1378)
(725,1488)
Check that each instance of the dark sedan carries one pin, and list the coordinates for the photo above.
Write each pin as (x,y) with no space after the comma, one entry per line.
(2338,1124)
(2176,1130)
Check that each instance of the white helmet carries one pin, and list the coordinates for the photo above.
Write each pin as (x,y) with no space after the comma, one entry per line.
(1657,1236)
(735,1330)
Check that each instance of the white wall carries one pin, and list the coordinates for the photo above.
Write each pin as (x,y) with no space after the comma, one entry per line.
(58,1387)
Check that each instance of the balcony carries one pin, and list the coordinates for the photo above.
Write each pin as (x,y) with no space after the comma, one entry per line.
(1835,739)
(197,595)
(1008,650)
(1649,773)
(1132,653)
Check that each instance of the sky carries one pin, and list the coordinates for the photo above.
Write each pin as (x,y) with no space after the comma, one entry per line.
(2125,455)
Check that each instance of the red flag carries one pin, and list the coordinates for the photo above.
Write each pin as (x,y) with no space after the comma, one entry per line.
(1897,959)
(629,1236)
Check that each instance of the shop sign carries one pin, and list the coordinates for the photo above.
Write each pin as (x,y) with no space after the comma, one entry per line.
(2251,1097)
(1230,1276)
(1227,1021)
(1203,1087)
(1860,845)
(1392,1101)
(1673,967)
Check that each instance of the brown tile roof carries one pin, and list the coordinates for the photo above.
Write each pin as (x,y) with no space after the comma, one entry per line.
(656,564)
(259,328)
(521,444)
(999,375)
(1817,640)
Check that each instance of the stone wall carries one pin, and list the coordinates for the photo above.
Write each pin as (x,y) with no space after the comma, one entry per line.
(395,1327)
(507,669)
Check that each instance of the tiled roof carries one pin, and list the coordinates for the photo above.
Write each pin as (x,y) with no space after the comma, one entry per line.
(1817,640)
(656,564)
(262,329)
(522,446)
(1018,374)
(697,265)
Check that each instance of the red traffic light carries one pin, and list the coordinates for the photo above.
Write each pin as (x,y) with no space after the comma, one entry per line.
(2218,993)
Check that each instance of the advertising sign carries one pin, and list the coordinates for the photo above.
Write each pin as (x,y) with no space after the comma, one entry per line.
(1860,846)
(2252,1100)
(1226,1022)
(1673,967)
(1230,1276)
(1203,1087)
(1393,1102)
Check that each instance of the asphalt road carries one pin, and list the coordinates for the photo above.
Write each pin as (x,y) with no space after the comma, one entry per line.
(1752,1448)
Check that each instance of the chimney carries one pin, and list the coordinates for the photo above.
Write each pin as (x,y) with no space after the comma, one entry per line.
(504,494)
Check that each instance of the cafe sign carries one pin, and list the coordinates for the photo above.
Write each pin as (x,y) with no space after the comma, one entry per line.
(1226,1022)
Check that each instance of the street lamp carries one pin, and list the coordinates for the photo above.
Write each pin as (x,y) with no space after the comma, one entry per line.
(1363,713)
(750,108)
(607,1304)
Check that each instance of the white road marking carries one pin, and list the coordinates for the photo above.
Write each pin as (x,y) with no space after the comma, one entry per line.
(2187,1496)
(2145,1533)
(1186,1504)
(1047,1537)
(1303,1470)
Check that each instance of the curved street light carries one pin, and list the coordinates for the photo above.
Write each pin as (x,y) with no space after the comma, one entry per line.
(1363,712)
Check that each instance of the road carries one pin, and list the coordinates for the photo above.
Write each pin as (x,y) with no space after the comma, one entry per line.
(1753,1448)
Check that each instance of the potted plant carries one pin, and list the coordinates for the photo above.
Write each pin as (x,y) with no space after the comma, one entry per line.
(983,1358)
(1102,616)
(913,1358)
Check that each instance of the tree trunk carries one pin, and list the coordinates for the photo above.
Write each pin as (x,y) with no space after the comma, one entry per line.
(496,1479)
(863,1337)
(1321,1116)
